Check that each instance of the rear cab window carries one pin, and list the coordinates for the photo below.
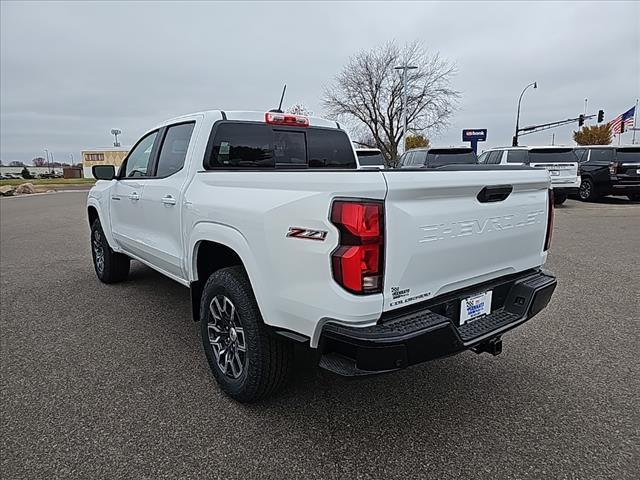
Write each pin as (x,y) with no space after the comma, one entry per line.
(552,155)
(238,145)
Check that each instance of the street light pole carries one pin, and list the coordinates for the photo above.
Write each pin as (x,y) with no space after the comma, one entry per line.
(515,137)
(404,69)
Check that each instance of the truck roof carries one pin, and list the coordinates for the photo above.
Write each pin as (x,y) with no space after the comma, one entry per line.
(531,147)
(244,116)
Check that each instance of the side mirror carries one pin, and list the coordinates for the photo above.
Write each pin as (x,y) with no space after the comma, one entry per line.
(103,172)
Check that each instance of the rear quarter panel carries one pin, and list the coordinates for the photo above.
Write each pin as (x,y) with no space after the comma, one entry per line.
(252,212)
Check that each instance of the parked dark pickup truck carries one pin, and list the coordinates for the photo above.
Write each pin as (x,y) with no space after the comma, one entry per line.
(609,170)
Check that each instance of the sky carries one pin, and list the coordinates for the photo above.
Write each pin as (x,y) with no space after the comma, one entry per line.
(70,72)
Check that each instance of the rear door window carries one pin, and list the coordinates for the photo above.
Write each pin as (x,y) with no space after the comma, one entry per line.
(174,149)
(601,155)
(494,157)
(254,145)
(517,156)
(419,158)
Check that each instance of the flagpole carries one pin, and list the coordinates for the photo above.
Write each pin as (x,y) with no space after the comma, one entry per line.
(635,123)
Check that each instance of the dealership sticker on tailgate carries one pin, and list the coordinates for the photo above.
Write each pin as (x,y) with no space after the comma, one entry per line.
(475,306)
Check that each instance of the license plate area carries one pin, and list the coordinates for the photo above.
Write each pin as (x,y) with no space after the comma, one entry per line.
(475,306)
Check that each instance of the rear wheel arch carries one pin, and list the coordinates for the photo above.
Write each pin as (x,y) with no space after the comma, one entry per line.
(209,257)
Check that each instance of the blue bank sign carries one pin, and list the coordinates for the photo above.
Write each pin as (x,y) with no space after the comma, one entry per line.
(474,135)
(477,134)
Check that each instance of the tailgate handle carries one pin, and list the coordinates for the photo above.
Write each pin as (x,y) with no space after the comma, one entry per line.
(494,193)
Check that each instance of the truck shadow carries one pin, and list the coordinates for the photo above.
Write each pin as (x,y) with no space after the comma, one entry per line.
(432,399)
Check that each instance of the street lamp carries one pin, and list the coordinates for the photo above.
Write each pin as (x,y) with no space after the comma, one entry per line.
(404,69)
(515,137)
(115,132)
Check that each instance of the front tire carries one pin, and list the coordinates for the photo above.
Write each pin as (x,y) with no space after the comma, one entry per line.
(587,192)
(110,267)
(248,362)
(634,197)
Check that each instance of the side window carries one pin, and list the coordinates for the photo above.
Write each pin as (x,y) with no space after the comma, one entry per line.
(407,159)
(483,157)
(420,158)
(138,160)
(241,145)
(580,153)
(174,149)
(601,155)
(517,156)
(494,157)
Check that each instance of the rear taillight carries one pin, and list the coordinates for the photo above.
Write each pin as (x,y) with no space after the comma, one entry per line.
(613,168)
(547,240)
(288,119)
(357,261)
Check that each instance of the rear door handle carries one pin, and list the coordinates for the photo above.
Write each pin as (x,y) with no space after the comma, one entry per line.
(168,200)
(134,196)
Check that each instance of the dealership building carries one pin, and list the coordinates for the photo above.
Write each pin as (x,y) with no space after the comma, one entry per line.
(102,156)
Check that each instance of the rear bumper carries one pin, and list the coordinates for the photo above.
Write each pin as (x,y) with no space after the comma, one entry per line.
(432,331)
(624,187)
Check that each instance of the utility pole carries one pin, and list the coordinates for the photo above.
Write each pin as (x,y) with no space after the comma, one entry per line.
(404,69)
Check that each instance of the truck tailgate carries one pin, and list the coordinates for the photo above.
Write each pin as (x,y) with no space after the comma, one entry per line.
(443,234)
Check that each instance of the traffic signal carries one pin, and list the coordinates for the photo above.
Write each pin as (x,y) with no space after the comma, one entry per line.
(600,116)
(581,120)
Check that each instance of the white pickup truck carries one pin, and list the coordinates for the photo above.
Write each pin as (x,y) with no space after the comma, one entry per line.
(281,239)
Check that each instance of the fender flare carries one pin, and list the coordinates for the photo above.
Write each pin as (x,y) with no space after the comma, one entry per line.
(105,222)
(231,238)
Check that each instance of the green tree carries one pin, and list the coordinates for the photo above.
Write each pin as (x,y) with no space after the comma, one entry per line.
(416,141)
(595,135)
(25,173)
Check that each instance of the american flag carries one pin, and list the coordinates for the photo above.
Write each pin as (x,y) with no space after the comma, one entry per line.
(626,118)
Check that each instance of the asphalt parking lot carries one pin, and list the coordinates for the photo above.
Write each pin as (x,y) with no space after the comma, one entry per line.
(110,381)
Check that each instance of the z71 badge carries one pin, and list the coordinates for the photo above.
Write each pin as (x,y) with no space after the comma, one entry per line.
(307,234)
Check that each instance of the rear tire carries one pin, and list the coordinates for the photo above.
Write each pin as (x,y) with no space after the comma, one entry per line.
(559,199)
(110,267)
(587,192)
(248,362)
(634,197)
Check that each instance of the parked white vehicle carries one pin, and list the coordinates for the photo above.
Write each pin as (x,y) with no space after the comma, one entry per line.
(281,239)
(560,162)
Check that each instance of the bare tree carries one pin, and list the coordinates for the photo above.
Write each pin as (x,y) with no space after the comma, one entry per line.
(299,109)
(39,162)
(367,94)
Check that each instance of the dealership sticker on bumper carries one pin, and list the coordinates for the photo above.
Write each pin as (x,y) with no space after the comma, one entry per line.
(475,306)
